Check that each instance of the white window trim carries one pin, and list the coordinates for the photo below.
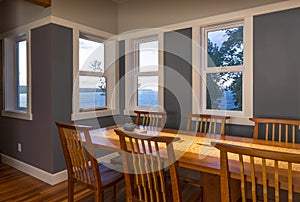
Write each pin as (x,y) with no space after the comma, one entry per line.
(9,77)
(131,71)
(111,73)
(237,117)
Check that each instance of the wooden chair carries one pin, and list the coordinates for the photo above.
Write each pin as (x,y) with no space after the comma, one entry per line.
(261,173)
(144,159)
(82,165)
(150,118)
(278,129)
(206,123)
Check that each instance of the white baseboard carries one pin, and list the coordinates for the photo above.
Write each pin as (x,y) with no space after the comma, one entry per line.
(42,175)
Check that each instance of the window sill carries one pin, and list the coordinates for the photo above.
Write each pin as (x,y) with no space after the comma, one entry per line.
(94,114)
(244,121)
(18,114)
(235,120)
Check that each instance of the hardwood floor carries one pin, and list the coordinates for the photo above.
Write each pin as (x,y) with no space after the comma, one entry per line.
(18,186)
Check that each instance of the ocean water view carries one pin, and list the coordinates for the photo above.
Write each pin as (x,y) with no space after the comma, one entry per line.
(92,99)
(145,98)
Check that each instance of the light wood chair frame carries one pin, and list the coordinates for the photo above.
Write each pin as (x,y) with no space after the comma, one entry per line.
(277,128)
(256,171)
(207,123)
(150,118)
(78,158)
(141,153)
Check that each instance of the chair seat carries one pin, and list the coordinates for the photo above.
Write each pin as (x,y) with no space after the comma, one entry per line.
(109,176)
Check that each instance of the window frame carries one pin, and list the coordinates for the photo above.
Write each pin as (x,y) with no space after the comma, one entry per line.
(132,71)
(201,69)
(212,70)
(10,77)
(93,74)
(138,73)
(110,73)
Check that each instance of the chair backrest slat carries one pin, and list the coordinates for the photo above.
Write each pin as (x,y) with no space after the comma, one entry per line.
(264,178)
(253,179)
(144,158)
(150,118)
(206,123)
(243,180)
(281,128)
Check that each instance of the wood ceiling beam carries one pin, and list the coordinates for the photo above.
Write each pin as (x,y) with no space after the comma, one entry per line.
(44,3)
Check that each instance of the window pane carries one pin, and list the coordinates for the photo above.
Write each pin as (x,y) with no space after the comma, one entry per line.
(147,91)
(91,56)
(22,74)
(225,47)
(148,56)
(224,91)
(92,92)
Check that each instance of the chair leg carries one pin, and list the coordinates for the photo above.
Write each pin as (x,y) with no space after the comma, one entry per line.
(70,190)
(99,197)
(113,192)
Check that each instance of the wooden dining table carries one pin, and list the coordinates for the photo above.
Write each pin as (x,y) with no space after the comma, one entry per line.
(195,151)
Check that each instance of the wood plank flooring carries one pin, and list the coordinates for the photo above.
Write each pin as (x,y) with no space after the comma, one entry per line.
(17,186)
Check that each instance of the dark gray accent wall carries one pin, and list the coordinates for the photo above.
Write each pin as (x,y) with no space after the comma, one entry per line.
(36,136)
(62,85)
(1,88)
(1,78)
(121,75)
(177,76)
(277,65)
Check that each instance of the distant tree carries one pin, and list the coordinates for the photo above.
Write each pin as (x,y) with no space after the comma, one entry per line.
(96,67)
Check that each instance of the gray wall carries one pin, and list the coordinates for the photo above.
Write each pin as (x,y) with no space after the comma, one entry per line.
(100,14)
(51,100)
(277,65)
(37,136)
(14,13)
(138,14)
(52,85)
(177,76)
(62,85)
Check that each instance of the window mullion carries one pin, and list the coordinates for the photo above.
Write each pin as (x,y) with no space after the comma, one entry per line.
(154,73)
(87,73)
(224,69)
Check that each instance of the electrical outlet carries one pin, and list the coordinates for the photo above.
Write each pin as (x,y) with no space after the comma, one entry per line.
(19,147)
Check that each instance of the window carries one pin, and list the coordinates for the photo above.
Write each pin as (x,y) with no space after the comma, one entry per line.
(147,72)
(94,76)
(225,69)
(17,80)
(144,83)
(92,82)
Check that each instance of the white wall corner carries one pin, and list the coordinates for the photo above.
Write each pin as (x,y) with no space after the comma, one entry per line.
(40,174)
